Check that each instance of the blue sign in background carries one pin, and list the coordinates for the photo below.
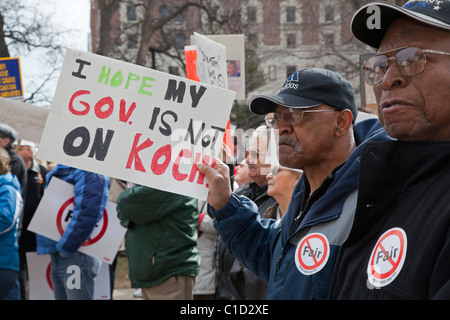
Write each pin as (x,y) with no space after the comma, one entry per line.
(10,78)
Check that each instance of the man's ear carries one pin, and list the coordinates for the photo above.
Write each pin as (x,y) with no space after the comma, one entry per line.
(344,122)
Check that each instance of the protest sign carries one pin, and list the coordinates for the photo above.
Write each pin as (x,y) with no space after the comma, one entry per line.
(55,210)
(211,61)
(41,285)
(235,53)
(190,53)
(136,124)
(10,78)
(27,119)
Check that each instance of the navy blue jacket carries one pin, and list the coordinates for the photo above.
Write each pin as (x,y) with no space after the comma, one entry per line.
(269,247)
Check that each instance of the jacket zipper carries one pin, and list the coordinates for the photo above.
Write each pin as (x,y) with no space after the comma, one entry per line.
(277,266)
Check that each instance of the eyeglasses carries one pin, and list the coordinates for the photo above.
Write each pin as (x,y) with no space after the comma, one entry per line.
(290,115)
(275,169)
(410,62)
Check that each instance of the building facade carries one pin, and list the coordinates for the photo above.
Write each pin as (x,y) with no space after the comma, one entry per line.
(285,35)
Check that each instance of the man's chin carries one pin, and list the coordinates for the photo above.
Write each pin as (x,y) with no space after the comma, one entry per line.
(289,159)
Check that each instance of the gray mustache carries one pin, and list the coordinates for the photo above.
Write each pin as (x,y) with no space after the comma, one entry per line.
(283,140)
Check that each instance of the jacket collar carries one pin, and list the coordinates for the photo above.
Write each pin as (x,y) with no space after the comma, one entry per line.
(346,179)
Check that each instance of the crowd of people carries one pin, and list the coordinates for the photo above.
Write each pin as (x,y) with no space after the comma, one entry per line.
(349,210)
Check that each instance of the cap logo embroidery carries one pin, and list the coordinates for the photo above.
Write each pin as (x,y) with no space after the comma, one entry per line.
(289,82)
(428,4)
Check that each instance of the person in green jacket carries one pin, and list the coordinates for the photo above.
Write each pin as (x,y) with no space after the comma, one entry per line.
(161,242)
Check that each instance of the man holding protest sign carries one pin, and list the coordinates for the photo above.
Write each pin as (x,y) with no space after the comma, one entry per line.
(314,113)
(73,272)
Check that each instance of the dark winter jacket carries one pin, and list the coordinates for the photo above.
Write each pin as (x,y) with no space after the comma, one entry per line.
(297,256)
(399,246)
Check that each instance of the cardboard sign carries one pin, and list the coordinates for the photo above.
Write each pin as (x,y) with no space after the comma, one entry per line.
(212,50)
(54,213)
(235,51)
(10,78)
(211,61)
(136,124)
(190,53)
(27,119)
(41,285)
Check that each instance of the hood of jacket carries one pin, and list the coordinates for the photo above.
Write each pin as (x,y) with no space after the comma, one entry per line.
(10,180)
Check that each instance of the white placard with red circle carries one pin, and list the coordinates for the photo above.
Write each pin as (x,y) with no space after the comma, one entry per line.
(387,257)
(312,253)
(40,283)
(54,213)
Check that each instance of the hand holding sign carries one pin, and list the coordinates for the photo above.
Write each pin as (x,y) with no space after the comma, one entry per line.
(219,177)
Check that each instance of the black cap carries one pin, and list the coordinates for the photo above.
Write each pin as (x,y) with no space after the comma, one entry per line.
(367,29)
(306,88)
(8,131)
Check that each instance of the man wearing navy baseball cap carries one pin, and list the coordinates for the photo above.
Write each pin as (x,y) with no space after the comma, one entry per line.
(307,88)
(314,113)
(399,246)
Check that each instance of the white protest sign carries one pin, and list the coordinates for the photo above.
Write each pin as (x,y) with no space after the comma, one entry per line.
(28,120)
(54,213)
(136,124)
(211,61)
(235,53)
(41,285)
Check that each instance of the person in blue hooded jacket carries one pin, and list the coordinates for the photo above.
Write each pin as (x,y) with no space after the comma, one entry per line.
(314,113)
(91,194)
(10,208)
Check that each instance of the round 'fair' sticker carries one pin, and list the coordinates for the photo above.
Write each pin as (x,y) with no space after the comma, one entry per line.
(387,257)
(312,253)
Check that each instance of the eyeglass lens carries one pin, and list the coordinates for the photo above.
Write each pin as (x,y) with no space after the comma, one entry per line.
(290,116)
(410,61)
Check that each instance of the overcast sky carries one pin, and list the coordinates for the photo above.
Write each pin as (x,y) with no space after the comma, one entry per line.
(67,15)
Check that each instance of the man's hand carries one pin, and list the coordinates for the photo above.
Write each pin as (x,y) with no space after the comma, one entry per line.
(218,182)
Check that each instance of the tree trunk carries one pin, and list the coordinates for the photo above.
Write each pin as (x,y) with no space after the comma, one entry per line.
(4,52)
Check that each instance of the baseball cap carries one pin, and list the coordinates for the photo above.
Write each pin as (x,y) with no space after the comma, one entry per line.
(366,30)
(306,88)
(27,143)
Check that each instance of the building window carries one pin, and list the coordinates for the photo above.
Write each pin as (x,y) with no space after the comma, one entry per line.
(131,13)
(251,14)
(272,72)
(290,14)
(180,41)
(329,39)
(163,12)
(329,13)
(132,41)
(180,17)
(174,71)
(213,11)
(252,40)
(290,70)
(290,41)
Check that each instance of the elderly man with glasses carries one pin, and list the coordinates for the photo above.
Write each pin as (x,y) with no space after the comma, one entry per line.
(314,114)
(399,247)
